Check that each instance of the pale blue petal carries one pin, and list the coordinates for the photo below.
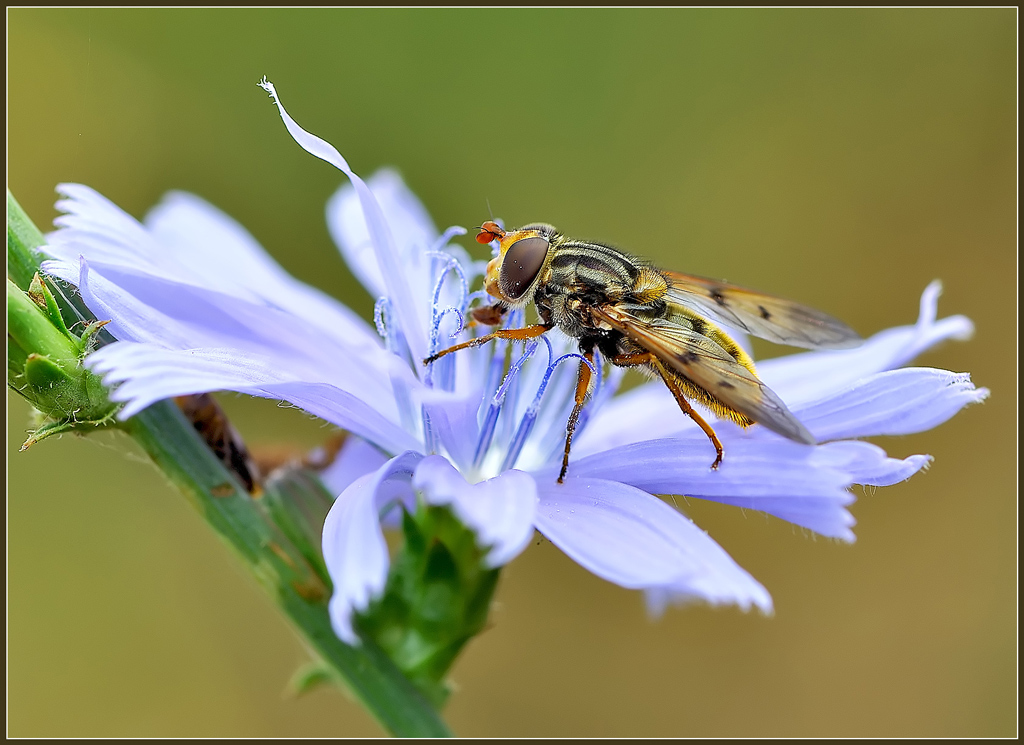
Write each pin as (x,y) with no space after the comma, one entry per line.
(356,458)
(454,422)
(500,511)
(270,355)
(411,226)
(897,402)
(227,258)
(422,251)
(615,531)
(129,319)
(647,412)
(805,484)
(398,291)
(94,225)
(635,540)
(887,471)
(362,417)
(658,599)
(189,242)
(146,308)
(354,549)
(144,374)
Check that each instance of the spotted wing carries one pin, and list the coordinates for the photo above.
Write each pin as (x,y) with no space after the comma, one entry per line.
(702,361)
(768,317)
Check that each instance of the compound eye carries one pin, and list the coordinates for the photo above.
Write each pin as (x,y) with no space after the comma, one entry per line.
(520,266)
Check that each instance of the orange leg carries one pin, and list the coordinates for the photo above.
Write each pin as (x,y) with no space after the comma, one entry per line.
(527,332)
(634,360)
(582,386)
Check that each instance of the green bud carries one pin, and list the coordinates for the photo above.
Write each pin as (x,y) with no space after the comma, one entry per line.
(436,599)
(44,364)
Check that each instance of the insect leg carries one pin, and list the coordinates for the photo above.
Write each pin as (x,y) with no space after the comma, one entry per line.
(527,332)
(633,360)
(582,386)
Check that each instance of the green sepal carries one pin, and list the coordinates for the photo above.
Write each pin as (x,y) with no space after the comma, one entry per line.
(40,294)
(436,598)
(43,373)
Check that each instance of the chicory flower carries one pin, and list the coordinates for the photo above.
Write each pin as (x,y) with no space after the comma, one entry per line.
(197,305)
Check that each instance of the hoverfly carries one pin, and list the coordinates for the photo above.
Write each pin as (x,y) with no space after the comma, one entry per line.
(663,322)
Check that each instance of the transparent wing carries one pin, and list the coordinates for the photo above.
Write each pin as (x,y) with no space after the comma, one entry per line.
(765,316)
(703,362)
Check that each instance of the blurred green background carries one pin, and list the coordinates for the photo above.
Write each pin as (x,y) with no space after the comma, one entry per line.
(842,158)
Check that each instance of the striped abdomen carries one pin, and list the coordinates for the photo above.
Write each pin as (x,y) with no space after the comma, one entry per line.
(605,272)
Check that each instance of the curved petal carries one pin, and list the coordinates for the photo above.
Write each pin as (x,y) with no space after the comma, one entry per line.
(635,540)
(412,228)
(882,471)
(390,261)
(354,549)
(500,511)
(420,247)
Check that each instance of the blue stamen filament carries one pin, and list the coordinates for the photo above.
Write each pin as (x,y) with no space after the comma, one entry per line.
(494,407)
(530,417)
(451,264)
(446,238)
(447,374)
(437,314)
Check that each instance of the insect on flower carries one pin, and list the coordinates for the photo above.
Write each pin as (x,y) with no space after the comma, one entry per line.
(663,322)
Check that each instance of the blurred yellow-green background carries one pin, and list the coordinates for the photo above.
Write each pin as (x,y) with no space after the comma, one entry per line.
(843,158)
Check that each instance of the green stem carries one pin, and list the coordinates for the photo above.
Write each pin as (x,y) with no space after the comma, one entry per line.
(289,577)
(23,238)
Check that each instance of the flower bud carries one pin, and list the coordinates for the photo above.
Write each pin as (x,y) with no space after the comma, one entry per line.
(44,364)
